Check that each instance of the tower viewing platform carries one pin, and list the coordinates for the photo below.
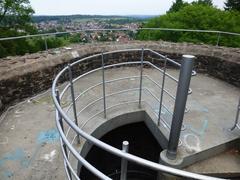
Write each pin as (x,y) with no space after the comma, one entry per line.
(141,110)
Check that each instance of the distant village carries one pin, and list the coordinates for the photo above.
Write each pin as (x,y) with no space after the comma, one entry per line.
(69,26)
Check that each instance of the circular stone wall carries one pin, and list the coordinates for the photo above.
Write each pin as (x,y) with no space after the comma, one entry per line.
(24,76)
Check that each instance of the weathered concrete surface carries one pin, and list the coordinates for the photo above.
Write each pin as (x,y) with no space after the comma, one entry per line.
(216,164)
(29,146)
(29,142)
(22,77)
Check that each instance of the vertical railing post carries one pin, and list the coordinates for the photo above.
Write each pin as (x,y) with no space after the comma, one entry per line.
(237,116)
(141,78)
(45,42)
(124,162)
(59,115)
(218,39)
(162,90)
(180,104)
(73,98)
(61,124)
(104,88)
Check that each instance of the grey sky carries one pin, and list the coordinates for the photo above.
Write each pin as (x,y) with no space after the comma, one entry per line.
(105,7)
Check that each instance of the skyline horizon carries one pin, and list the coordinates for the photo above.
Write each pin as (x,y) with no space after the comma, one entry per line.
(106,7)
(131,15)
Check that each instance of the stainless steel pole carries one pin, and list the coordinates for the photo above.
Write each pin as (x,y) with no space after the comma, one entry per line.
(61,124)
(104,88)
(124,162)
(73,99)
(59,115)
(162,90)
(237,116)
(45,42)
(180,104)
(141,73)
(219,35)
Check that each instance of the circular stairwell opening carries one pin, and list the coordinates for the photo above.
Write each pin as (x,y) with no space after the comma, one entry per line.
(141,143)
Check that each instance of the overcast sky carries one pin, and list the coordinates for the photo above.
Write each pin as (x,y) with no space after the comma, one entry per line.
(105,7)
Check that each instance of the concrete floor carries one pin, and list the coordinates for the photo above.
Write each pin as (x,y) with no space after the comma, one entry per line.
(29,141)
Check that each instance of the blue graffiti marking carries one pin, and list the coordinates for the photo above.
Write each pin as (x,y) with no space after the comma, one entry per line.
(20,156)
(204,109)
(202,130)
(198,107)
(17,155)
(48,136)
(195,106)
(8,174)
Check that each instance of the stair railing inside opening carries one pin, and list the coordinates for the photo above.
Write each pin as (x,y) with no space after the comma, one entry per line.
(236,125)
(63,119)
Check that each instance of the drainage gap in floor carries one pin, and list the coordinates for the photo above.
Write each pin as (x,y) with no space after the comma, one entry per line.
(141,143)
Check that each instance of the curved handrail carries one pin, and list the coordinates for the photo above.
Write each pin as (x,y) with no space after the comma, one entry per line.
(120,64)
(113,150)
(119,29)
(126,63)
(60,114)
(109,66)
(110,81)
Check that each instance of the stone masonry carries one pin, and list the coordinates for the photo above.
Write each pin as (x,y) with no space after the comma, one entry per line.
(24,76)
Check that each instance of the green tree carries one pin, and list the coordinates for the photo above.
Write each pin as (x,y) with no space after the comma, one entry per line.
(232,5)
(195,16)
(177,5)
(15,14)
(15,20)
(204,2)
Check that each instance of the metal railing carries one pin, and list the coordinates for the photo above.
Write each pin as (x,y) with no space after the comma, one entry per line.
(63,119)
(237,117)
(45,35)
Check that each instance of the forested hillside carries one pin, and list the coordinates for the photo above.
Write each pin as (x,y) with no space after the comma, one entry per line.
(197,15)
(16,19)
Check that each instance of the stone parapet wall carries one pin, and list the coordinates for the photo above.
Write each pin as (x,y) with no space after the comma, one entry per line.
(24,76)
